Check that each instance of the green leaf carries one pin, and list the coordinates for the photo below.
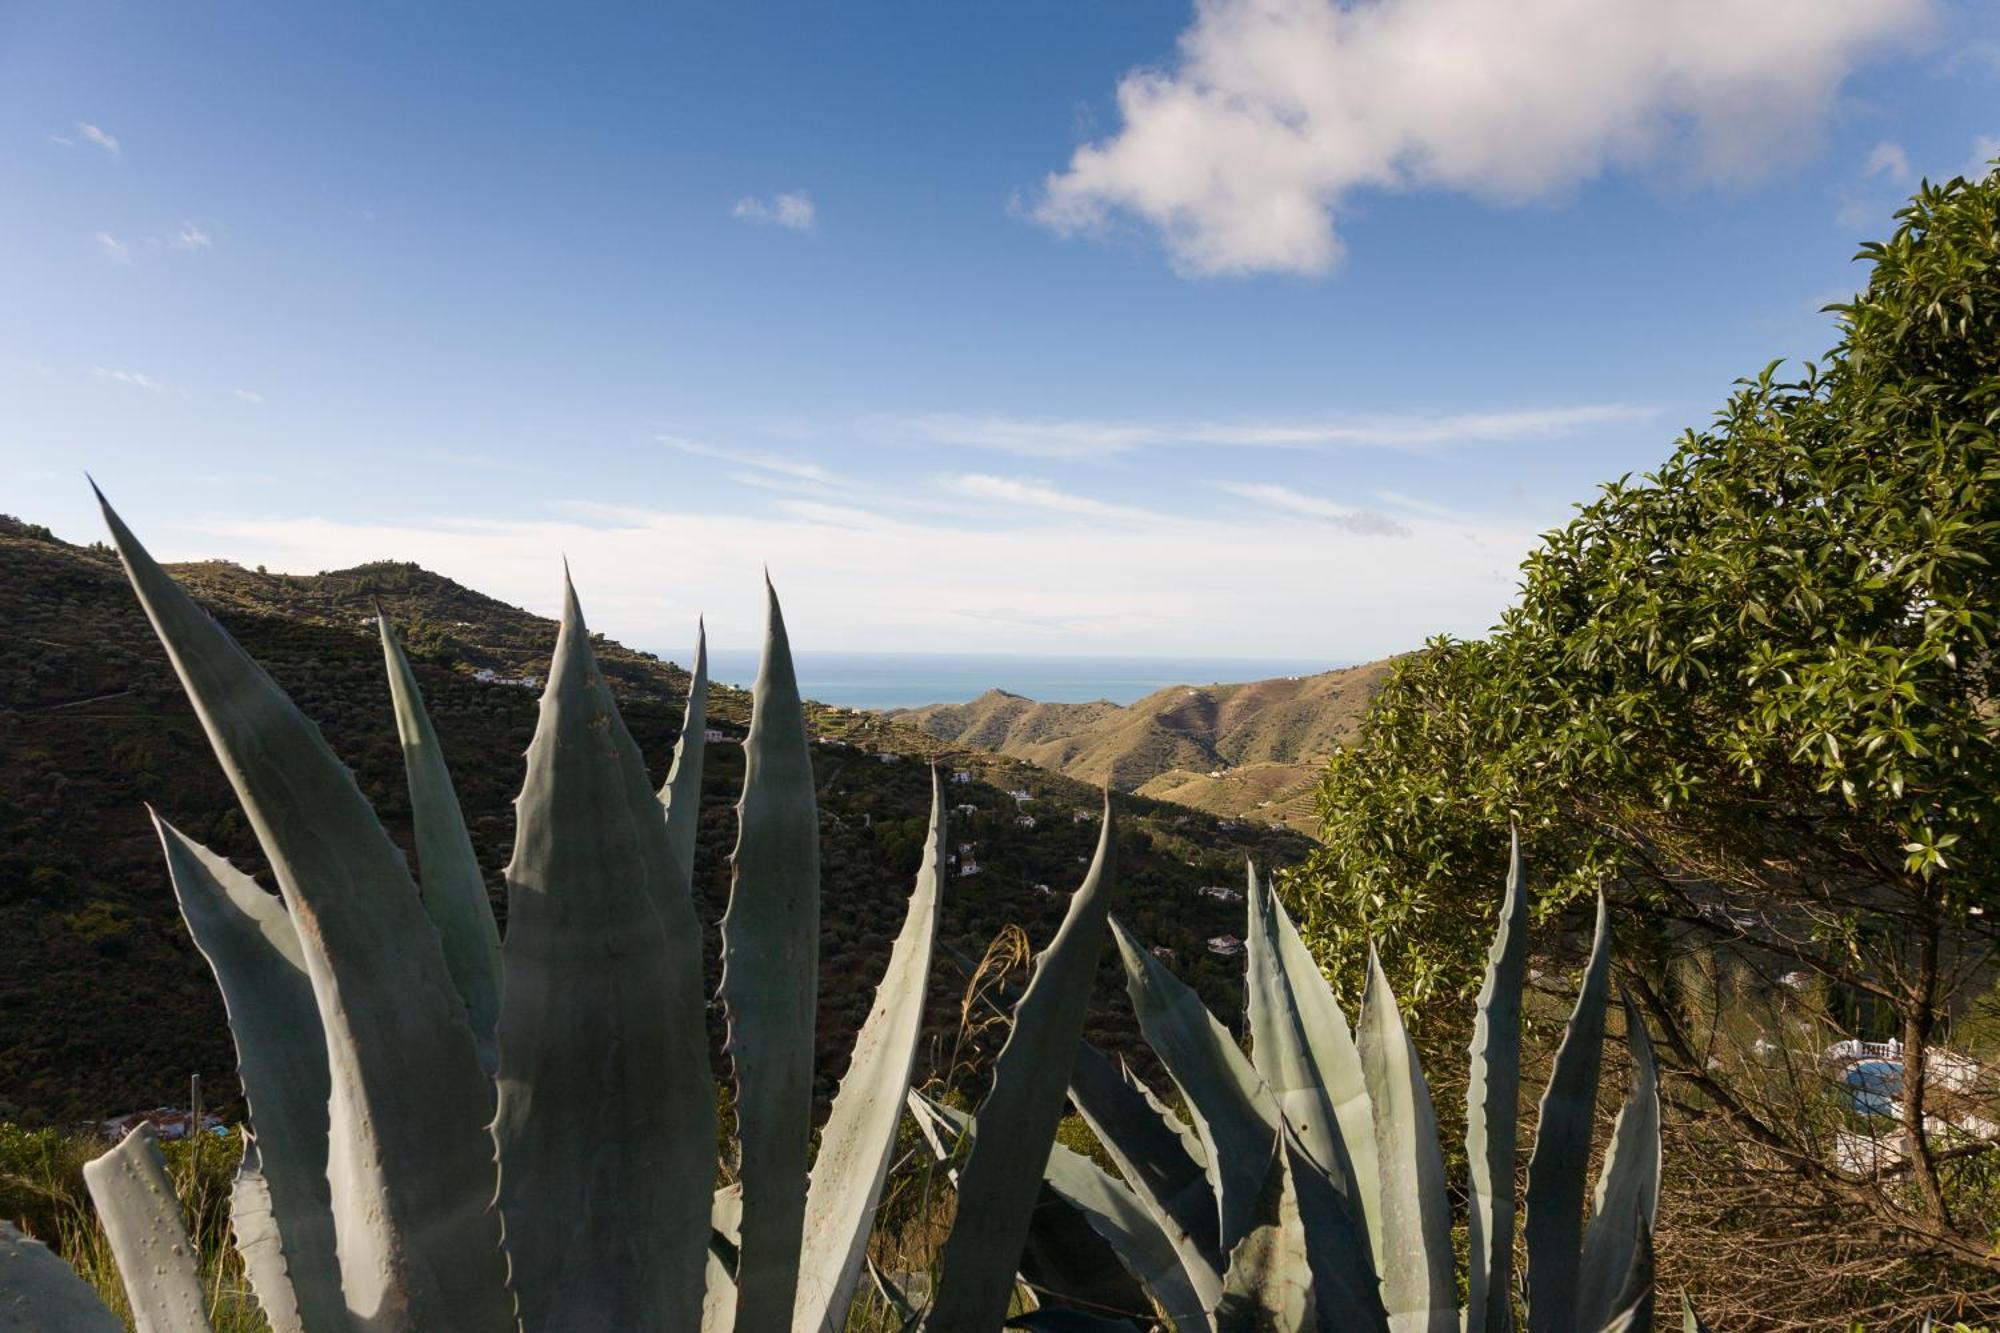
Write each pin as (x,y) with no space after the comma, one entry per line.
(454,890)
(998,1185)
(1557,1170)
(681,793)
(1492,1113)
(1627,1200)
(1418,1287)
(1110,1212)
(281,1210)
(1301,1045)
(1632,1305)
(39,1293)
(1690,1321)
(1233,1110)
(606,1126)
(1268,1288)
(141,1217)
(859,1139)
(1346,1292)
(409,1104)
(770,984)
(1160,1160)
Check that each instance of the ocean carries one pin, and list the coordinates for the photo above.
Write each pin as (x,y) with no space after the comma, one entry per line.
(910,680)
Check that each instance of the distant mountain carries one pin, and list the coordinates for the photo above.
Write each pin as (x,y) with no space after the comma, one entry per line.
(106,1007)
(1253,749)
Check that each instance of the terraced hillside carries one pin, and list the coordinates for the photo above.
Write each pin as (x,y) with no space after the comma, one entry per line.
(1244,750)
(105,1006)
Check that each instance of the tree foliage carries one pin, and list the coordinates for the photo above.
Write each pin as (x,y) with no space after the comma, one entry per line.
(1751,694)
(1779,642)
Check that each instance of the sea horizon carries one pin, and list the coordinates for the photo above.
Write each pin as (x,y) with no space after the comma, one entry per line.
(890,680)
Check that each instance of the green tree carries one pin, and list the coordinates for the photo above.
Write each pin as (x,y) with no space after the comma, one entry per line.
(1753,694)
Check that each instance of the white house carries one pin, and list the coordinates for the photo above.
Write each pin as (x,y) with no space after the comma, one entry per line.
(1221,893)
(961,778)
(1225,946)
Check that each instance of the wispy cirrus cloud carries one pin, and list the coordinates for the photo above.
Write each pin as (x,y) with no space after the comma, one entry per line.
(88,133)
(1077,438)
(113,249)
(792,209)
(250,396)
(130,378)
(1033,493)
(1362,522)
(190,237)
(799,469)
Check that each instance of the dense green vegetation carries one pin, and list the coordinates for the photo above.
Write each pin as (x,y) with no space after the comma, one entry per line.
(104,1005)
(1751,694)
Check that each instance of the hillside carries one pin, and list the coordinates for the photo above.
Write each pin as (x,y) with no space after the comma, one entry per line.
(104,1004)
(1248,750)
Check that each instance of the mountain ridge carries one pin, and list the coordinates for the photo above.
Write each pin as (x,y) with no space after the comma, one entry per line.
(1248,748)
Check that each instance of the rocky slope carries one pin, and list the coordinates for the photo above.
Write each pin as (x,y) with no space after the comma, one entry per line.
(1251,750)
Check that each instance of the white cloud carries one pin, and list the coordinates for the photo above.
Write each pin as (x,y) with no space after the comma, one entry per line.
(132,378)
(114,249)
(1030,493)
(1359,521)
(920,579)
(793,210)
(94,135)
(797,468)
(192,237)
(1243,153)
(1084,438)
(249,396)
(1890,161)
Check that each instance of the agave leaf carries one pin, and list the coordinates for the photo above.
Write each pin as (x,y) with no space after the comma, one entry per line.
(1492,1113)
(1346,1292)
(407,1141)
(1065,1260)
(454,890)
(1627,1199)
(1301,1044)
(725,1235)
(770,984)
(39,1293)
(681,794)
(281,1209)
(606,1123)
(1690,1321)
(1557,1170)
(1019,1116)
(1418,1287)
(1632,1307)
(141,1217)
(1269,1285)
(1233,1110)
(1160,1160)
(1115,1214)
(859,1137)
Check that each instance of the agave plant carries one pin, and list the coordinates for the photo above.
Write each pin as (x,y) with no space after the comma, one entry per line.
(452,1130)
(1309,1191)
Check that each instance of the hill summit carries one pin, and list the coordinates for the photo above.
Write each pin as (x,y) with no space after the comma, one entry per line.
(1253,749)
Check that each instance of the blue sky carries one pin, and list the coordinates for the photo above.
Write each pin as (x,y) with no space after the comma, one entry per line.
(1268,329)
